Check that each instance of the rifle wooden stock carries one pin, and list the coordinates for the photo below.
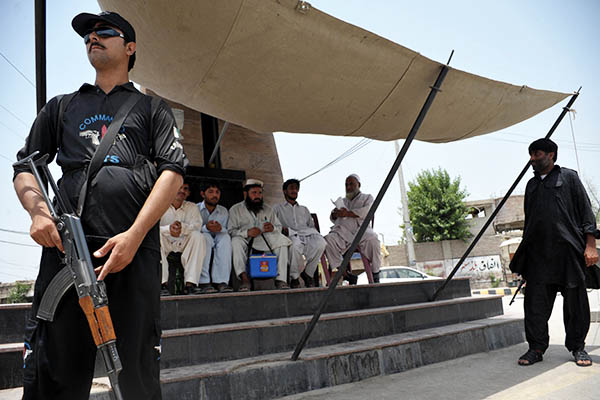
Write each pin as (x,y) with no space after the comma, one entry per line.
(99,320)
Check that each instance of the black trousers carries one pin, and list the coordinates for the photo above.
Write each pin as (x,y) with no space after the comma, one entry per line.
(539,300)
(59,356)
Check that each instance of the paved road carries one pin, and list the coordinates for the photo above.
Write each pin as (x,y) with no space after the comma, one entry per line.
(494,375)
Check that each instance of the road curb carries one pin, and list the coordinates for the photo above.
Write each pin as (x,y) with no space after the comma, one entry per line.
(502,291)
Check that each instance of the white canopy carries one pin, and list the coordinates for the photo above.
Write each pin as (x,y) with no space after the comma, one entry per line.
(270,65)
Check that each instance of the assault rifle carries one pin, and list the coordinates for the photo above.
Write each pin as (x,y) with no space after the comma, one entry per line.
(79,272)
(517,291)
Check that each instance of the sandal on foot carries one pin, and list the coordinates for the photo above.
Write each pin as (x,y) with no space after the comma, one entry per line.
(244,287)
(281,285)
(581,358)
(530,358)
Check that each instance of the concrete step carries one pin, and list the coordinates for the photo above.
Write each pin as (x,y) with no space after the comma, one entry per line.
(202,310)
(12,321)
(11,365)
(275,375)
(188,346)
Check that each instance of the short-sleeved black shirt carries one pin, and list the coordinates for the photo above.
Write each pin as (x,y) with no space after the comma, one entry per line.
(119,190)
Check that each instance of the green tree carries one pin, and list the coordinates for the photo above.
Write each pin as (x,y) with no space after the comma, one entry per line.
(594,198)
(437,208)
(18,294)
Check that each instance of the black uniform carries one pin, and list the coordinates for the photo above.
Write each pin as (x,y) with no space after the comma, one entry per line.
(59,355)
(558,216)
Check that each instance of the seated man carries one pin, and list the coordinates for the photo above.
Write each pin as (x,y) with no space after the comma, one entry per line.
(299,226)
(347,220)
(180,232)
(252,218)
(214,230)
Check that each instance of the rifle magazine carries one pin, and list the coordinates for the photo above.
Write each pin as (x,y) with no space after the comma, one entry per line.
(54,293)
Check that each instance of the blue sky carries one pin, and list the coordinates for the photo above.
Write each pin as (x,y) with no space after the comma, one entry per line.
(542,44)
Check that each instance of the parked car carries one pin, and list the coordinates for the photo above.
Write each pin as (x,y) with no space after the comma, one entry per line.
(396,274)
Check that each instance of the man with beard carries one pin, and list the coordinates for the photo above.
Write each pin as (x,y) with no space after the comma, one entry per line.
(214,230)
(251,219)
(558,244)
(180,232)
(299,226)
(347,219)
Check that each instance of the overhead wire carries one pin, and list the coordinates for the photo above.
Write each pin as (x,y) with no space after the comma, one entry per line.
(587,145)
(17,69)
(14,115)
(353,149)
(6,158)
(20,244)
(523,135)
(571,111)
(12,131)
(593,150)
(347,153)
(13,231)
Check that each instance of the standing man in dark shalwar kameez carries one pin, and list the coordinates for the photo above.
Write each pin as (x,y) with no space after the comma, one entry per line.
(558,244)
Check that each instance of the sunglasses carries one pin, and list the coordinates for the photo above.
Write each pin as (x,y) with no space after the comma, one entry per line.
(102,32)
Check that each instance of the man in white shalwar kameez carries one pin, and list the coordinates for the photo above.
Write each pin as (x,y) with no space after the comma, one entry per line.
(347,219)
(299,226)
(180,232)
(252,218)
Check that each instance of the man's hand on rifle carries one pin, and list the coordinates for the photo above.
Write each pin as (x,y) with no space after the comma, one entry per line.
(122,249)
(43,231)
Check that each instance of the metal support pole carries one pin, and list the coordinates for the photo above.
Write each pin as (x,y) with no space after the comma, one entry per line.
(210,133)
(434,89)
(40,53)
(216,149)
(506,196)
(408,233)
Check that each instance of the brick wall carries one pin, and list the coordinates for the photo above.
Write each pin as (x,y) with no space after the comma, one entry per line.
(433,251)
(512,214)
(241,149)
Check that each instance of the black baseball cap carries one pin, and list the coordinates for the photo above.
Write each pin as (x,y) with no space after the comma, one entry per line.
(84,22)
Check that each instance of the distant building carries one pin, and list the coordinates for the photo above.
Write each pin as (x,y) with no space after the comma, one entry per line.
(486,259)
(242,154)
(511,217)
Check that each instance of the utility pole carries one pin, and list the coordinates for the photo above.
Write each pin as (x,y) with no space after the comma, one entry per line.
(410,248)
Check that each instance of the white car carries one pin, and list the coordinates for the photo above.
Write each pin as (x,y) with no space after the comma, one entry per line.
(396,274)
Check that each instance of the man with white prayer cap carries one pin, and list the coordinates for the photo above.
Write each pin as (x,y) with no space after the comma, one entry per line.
(252,219)
(347,218)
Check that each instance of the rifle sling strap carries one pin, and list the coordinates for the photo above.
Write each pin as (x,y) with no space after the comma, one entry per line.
(105,145)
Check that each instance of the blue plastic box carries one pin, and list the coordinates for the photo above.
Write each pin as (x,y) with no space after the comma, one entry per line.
(263,265)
